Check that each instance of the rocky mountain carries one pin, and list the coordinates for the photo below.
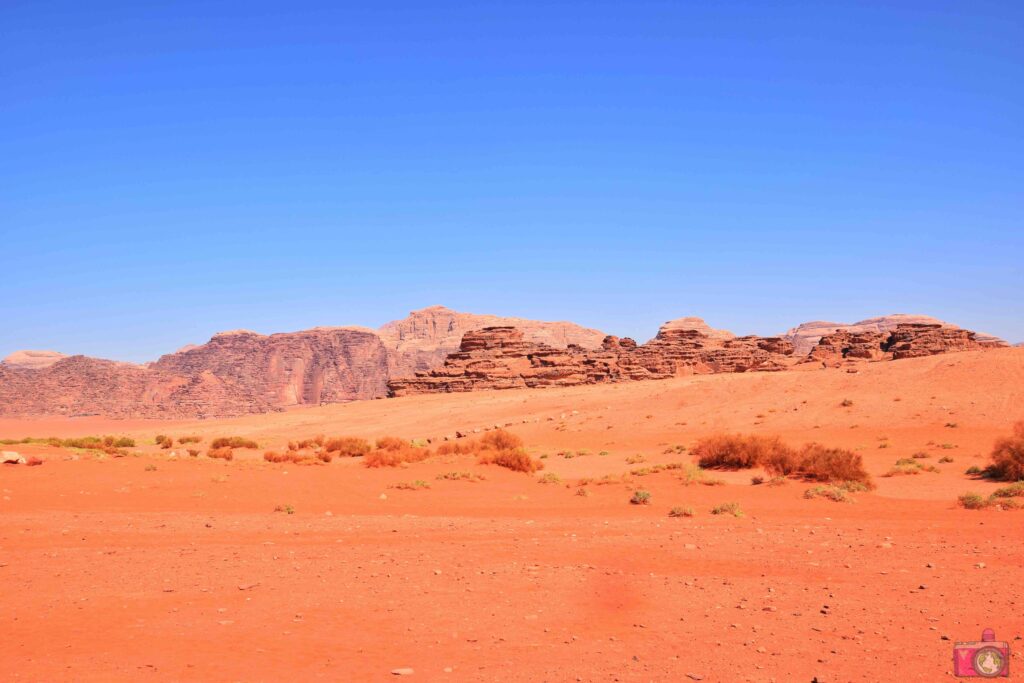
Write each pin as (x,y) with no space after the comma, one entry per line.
(908,340)
(502,358)
(422,341)
(433,349)
(805,336)
(33,360)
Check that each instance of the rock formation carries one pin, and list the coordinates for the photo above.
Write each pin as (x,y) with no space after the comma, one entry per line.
(500,358)
(32,360)
(322,365)
(907,340)
(421,341)
(805,336)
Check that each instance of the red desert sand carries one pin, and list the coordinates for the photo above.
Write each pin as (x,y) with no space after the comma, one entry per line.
(160,565)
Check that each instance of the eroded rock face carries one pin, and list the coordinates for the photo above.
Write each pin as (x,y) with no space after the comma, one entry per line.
(806,336)
(421,341)
(500,358)
(32,360)
(908,340)
(323,365)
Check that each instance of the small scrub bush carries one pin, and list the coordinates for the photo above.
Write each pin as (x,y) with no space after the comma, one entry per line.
(635,459)
(347,447)
(920,455)
(974,469)
(582,492)
(641,497)
(820,463)
(456,476)
(777,481)
(232,442)
(463,447)
(846,403)
(500,440)
(189,439)
(972,501)
(945,460)
(1008,456)
(680,512)
(517,460)
(833,493)
(727,509)
(159,439)
(756,481)
(288,509)
(193,452)
(549,478)
(151,468)
(221,453)
(1012,491)
(735,451)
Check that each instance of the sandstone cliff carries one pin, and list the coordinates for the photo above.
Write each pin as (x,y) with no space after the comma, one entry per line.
(422,340)
(806,335)
(501,358)
(907,340)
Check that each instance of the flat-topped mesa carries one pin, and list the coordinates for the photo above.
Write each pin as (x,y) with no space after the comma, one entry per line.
(908,340)
(500,358)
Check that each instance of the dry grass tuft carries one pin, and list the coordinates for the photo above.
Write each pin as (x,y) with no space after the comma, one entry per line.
(347,446)
(233,442)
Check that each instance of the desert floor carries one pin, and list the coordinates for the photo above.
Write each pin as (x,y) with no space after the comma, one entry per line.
(163,567)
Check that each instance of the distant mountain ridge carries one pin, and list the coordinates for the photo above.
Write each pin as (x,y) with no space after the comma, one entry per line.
(238,372)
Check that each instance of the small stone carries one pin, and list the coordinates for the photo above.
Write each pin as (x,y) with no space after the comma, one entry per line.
(980,565)
(405,671)
(247,586)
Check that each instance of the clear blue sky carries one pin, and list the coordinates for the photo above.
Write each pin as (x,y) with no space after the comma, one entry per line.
(168,170)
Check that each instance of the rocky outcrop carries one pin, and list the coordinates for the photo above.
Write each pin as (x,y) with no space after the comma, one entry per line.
(908,340)
(32,360)
(421,341)
(322,365)
(805,337)
(501,358)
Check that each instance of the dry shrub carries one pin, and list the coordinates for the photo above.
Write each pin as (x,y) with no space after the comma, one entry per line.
(1008,456)
(347,446)
(517,460)
(194,452)
(221,453)
(275,456)
(463,447)
(500,440)
(392,452)
(728,451)
(233,442)
(189,439)
(33,461)
(832,465)
(325,456)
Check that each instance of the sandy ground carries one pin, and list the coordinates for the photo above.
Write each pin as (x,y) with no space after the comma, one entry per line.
(175,568)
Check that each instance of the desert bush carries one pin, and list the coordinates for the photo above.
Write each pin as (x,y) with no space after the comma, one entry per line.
(972,501)
(727,509)
(641,497)
(680,512)
(500,440)
(160,438)
(549,478)
(275,456)
(233,442)
(456,476)
(777,481)
(287,509)
(325,456)
(905,466)
(945,460)
(189,439)
(974,469)
(1012,491)
(846,403)
(1008,456)
(833,493)
(167,443)
(517,460)
(347,446)
(756,481)
(819,463)
(635,459)
(392,452)
(735,451)
(391,443)
(193,452)
(221,453)
(920,455)
(461,447)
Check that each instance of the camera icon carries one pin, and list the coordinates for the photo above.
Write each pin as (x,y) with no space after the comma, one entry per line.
(985,658)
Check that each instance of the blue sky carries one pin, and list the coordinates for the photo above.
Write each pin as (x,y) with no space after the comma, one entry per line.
(168,170)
